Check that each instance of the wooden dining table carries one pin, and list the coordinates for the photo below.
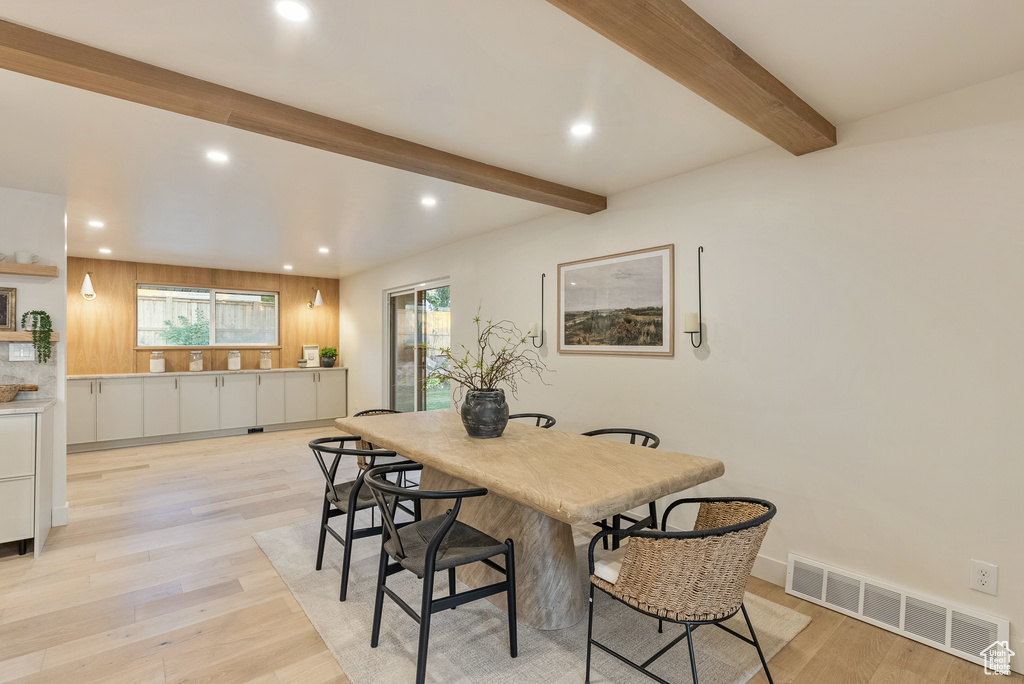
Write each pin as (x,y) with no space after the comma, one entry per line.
(540,482)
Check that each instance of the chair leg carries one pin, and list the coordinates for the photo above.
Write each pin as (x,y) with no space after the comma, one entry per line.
(510,577)
(421,654)
(616,524)
(451,583)
(660,626)
(346,561)
(604,540)
(378,604)
(689,644)
(323,534)
(757,645)
(590,632)
(654,516)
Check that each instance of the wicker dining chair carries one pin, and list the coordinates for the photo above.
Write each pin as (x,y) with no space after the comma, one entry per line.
(646,439)
(346,498)
(437,544)
(692,578)
(542,420)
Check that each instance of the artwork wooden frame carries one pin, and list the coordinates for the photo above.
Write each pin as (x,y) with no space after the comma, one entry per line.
(311,352)
(8,309)
(620,304)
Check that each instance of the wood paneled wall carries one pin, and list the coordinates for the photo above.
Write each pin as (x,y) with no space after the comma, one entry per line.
(101,333)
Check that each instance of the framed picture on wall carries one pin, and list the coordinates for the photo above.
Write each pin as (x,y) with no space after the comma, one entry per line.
(617,304)
(8,308)
(311,352)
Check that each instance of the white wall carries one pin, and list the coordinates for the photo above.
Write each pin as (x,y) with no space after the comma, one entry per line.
(31,221)
(863,367)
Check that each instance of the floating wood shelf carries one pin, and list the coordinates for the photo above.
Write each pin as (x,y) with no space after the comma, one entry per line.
(15,268)
(24,336)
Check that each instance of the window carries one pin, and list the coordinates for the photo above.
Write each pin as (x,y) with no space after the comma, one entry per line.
(181,317)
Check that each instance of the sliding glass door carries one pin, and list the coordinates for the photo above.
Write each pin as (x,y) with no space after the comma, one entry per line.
(419,322)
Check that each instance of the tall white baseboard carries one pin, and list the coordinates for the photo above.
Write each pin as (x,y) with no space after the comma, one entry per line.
(770,570)
(60,515)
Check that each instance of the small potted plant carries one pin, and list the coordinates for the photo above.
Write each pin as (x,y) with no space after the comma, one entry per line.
(500,356)
(328,355)
(42,332)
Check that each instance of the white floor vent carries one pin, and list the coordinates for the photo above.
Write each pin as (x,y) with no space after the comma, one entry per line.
(960,631)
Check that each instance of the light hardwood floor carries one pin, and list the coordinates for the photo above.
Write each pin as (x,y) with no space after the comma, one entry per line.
(157,579)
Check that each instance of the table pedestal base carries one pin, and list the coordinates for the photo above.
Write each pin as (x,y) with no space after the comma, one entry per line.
(550,588)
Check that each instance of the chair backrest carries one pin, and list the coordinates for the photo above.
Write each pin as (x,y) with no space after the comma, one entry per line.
(332,449)
(387,494)
(363,444)
(542,419)
(697,575)
(648,439)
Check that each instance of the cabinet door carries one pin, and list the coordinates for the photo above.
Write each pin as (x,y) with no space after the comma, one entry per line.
(199,402)
(17,508)
(331,394)
(299,396)
(81,411)
(18,437)
(160,406)
(237,401)
(270,398)
(118,408)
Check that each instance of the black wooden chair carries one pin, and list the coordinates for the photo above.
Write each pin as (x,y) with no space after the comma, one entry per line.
(542,419)
(433,545)
(647,439)
(690,578)
(344,498)
(363,444)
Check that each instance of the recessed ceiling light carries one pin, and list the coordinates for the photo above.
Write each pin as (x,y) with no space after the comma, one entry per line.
(324,250)
(572,283)
(217,156)
(292,10)
(581,130)
(96,224)
(104,250)
(287,267)
(428,201)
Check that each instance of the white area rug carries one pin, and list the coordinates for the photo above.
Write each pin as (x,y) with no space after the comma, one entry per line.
(470,644)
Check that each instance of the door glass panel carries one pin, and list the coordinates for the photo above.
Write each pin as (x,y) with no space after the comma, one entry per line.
(435,335)
(403,352)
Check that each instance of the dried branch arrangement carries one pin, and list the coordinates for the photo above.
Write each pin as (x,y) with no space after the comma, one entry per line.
(499,357)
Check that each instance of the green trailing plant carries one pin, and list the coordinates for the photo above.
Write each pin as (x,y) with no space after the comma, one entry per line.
(42,331)
(500,356)
(329,352)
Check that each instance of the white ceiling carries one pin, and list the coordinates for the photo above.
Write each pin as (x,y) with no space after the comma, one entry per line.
(493,80)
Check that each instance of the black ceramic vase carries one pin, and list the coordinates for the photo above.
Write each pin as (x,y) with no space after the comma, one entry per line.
(485,413)
(328,361)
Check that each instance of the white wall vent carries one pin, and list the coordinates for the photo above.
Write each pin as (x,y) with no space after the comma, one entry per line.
(960,631)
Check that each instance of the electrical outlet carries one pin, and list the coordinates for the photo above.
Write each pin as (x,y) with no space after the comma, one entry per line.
(20,351)
(984,577)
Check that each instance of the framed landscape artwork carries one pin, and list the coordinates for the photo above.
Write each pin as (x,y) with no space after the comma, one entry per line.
(8,308)
(617,304)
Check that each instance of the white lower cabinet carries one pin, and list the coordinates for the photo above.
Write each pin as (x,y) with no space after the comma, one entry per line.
(160,402)
(300,396)
(199,401)
(122,408)
(237,401)
(270,398)
(331,394)
(81,411)
(18,497)
(26,476)
(119,408)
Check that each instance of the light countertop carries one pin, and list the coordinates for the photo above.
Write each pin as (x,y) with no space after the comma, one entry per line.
(204,372)
(12,408)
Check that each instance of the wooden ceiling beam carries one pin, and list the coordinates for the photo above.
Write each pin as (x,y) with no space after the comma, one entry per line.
(677,41)
(43,55)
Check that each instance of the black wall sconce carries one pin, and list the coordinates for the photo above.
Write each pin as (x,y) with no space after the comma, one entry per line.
(692,321)
(536,330)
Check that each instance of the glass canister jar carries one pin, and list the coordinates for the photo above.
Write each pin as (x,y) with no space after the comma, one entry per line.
(265,362)
(234,360)
(156,362)
(196,361)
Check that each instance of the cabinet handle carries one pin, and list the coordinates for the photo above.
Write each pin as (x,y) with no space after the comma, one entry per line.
(175,383)
(214,380)
(90,388)
(100,383)
(259,380)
